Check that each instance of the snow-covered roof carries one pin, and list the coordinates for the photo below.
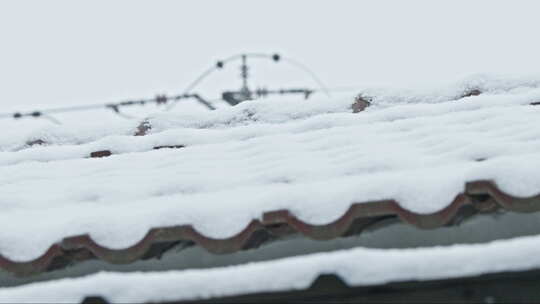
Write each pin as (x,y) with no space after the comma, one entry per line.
(356,267)
(312,165)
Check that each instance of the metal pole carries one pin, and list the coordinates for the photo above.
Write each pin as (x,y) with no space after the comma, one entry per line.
(244,70)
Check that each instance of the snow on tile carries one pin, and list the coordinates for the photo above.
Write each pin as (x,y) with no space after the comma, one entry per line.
(357,267)
(312,157)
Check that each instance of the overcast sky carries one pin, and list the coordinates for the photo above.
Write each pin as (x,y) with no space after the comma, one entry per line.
(67,52)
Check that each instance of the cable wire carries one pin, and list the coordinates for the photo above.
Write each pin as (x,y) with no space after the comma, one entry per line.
(301,66)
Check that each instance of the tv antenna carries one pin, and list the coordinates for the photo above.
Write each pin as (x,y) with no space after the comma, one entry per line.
(232,97)
(245,92)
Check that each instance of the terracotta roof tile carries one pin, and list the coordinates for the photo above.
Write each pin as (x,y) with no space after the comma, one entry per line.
(483,196)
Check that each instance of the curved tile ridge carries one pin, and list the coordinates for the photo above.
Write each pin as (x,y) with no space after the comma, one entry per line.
(482,196)
(509,202)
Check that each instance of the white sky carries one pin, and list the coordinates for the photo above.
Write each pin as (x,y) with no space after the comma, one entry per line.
(68,52)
